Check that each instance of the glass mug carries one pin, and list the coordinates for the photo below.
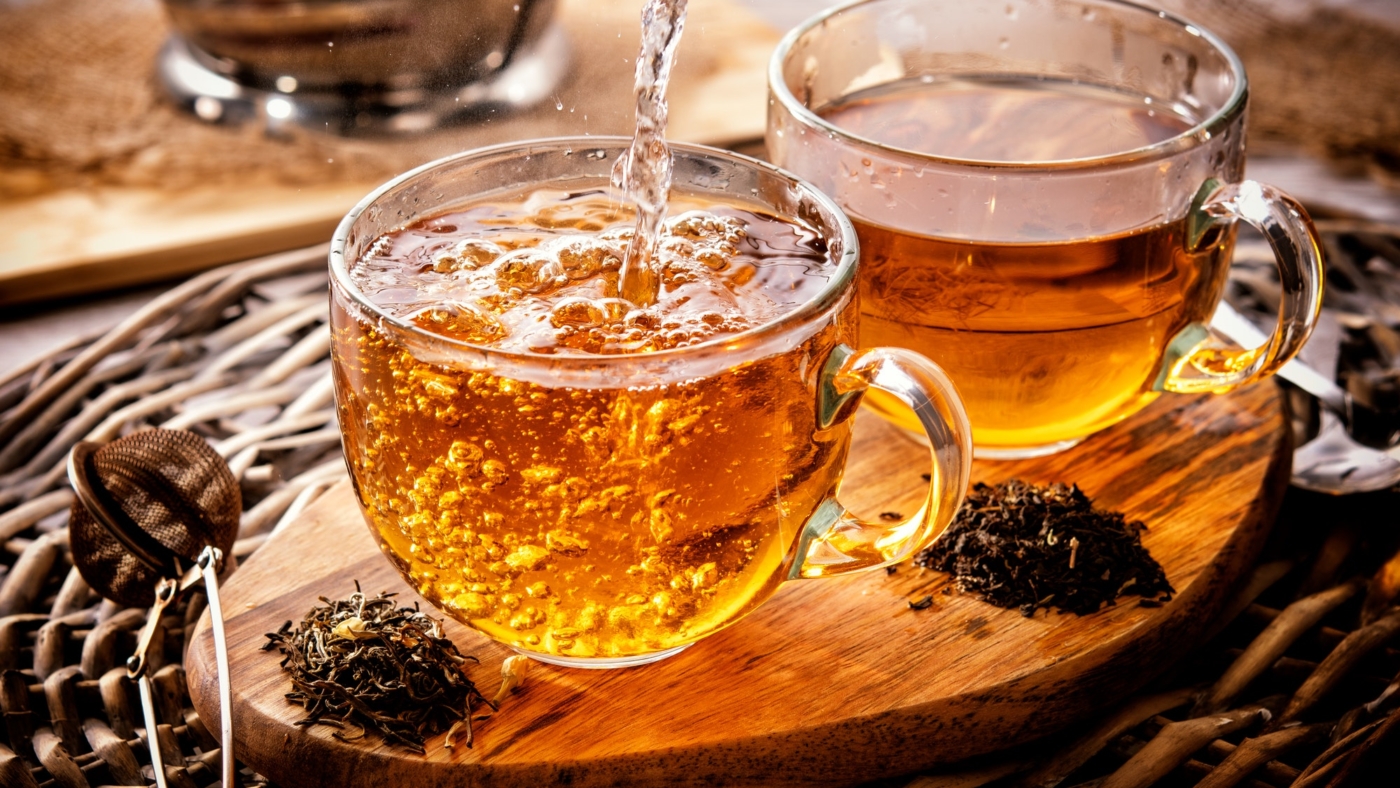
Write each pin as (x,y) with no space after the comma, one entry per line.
(609,510)
(1045,193)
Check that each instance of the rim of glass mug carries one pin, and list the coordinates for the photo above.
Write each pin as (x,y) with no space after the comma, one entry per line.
(810,206)
(1201,132)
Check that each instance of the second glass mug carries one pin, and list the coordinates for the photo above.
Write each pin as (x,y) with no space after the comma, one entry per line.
(1066,277)
(607,511)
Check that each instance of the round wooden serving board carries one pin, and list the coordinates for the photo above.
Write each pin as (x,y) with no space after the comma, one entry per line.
(832,681)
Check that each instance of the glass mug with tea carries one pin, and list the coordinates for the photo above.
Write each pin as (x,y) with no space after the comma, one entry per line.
(594,483)
(1046,196)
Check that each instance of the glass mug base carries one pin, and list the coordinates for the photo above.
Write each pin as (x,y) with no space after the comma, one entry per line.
(603,663)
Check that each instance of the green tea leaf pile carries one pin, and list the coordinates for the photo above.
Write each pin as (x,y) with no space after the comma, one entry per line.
(1024,546)
(363,662)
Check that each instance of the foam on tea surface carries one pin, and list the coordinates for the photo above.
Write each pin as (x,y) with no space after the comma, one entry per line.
(541,275)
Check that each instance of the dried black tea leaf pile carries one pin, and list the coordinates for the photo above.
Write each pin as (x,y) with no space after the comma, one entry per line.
(1026,546)
(363,663)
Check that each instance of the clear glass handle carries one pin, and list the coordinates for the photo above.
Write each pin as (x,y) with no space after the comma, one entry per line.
(834,541)
(1200,360)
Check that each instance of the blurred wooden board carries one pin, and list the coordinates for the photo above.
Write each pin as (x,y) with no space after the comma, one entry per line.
(102,237)
(83,241)
(832,681)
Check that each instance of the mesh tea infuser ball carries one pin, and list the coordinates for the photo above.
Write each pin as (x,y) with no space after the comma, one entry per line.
(156,513)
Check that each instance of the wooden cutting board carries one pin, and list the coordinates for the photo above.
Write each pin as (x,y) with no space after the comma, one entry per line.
(832,681)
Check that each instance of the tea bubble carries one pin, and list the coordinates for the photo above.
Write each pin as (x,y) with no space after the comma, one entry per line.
(463,456)
(704,576)
(713,259)
(615,310)
(582,257)
(466,322)
(527,557)
(577,312)
(707,226)
(661,525)
(468,254)
(677,247)
(495,471)
(530,270)
(620,235)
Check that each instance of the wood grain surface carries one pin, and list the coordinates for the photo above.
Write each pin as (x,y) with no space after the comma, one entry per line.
(832,681)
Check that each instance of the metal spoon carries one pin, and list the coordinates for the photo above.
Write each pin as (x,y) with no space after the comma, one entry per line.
(1333,462)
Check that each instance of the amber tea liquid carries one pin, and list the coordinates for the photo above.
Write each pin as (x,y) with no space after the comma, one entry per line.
(587,520)
(1048,340)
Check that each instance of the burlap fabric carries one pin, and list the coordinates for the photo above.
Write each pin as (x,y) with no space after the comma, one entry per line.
(80,103)
(1324,74)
